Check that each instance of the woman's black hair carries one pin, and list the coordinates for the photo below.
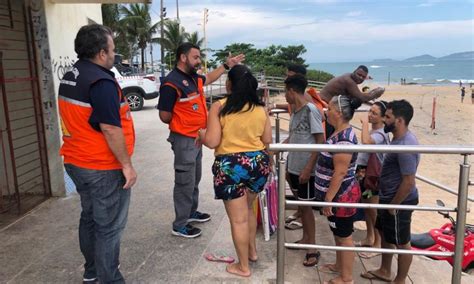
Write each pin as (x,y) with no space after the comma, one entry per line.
(346,105)
(382,106)
(243,91)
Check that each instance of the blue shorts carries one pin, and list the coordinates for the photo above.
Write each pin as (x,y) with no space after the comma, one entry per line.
(234,173)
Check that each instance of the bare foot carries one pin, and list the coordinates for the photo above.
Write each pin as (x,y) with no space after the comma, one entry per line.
(329,268)
(234,268)
(253,256)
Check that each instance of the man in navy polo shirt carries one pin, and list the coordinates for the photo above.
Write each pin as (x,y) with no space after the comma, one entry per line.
(182,105)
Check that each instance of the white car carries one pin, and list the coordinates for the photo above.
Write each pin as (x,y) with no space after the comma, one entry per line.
(137,88)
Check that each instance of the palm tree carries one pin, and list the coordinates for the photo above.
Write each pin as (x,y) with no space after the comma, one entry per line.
(194,39)
(137,20)
(173,35)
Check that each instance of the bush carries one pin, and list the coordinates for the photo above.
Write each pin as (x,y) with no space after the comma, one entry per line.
(317,75)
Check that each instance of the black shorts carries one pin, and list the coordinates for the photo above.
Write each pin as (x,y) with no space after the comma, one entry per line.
(396,229)
(341,227)
(304,191)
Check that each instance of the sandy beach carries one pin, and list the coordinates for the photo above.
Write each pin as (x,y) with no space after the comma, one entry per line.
(454,126)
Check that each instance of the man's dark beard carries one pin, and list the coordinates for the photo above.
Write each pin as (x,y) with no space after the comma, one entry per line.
(389,128)
(192,70)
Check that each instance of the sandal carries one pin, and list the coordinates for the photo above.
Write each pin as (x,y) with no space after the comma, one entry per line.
(290,218)
(312,255)
(218,257)
(293,225)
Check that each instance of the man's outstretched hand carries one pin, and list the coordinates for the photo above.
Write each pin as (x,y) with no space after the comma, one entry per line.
(377,92)
(231,61)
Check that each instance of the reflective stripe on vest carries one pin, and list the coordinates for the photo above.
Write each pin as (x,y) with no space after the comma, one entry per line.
(190,113)
(84,146)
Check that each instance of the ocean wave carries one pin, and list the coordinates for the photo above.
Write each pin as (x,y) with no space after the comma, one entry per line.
(417,79)
(423,65)
(376,66)
(464,81)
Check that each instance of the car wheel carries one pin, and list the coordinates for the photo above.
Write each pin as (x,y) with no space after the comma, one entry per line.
(135,100)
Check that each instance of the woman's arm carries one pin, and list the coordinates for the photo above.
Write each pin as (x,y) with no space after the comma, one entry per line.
(211,137)
(267,131)
(365,135)
(341,165)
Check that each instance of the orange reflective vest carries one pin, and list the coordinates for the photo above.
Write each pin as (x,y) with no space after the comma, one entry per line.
(84,146)
(190,110)
(320,104)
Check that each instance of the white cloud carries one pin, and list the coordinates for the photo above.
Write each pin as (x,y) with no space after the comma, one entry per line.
(236,23)
(354,14)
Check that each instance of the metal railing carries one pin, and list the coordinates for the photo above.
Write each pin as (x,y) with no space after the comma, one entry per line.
(417,176)
(461,207)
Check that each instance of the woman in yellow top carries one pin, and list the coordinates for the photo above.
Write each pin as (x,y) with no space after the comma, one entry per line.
(238,128)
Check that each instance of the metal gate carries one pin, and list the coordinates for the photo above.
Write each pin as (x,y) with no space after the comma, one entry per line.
(23,161)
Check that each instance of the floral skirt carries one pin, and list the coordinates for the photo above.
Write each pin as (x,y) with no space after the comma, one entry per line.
(236,172)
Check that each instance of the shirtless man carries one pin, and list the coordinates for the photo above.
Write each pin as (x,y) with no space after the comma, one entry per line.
(347,85)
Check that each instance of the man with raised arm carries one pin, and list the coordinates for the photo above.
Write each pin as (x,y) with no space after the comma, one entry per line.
(182,105)
(347,85)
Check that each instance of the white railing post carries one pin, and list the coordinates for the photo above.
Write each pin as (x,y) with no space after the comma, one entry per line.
(281,223)
(461,220)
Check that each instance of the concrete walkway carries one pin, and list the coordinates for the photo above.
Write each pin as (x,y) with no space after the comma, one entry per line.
(42,247)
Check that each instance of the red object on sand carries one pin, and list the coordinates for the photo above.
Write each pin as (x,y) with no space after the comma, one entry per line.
(433,115)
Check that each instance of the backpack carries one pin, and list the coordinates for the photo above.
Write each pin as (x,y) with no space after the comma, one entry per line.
(373,171)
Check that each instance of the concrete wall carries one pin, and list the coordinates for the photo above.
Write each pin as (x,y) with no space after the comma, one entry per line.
(55,27)
(64,21)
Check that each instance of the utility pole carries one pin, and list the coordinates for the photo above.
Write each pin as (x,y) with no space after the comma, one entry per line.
(162,66)
(177,10)
(151,56)
(204,22)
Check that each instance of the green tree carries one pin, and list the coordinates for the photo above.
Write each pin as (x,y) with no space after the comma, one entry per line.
(291,54)
(124,43)
(194,39)
(136,18)
(174,35)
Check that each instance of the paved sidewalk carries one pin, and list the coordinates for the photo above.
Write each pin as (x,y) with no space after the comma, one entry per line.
(43,247)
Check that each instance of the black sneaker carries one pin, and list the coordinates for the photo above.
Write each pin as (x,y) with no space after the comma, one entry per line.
(199,217)
(187,231)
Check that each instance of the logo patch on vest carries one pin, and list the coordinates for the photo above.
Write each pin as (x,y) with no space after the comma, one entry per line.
(195,107)
(185,83)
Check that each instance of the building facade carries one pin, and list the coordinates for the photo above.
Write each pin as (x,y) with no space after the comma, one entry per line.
(36,49)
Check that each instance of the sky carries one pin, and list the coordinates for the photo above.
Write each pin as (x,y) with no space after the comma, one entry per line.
(334,30)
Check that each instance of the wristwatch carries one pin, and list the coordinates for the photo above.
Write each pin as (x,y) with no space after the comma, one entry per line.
(226,67)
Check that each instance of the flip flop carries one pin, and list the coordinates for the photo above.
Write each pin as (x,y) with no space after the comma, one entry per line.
(290,218)
(315,255)
(218,257)
(293,225)
(372,276)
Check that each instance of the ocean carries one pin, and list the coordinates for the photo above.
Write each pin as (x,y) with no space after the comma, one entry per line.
(419,72)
